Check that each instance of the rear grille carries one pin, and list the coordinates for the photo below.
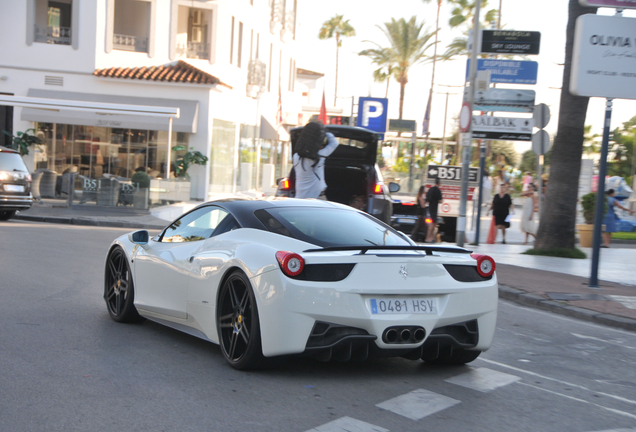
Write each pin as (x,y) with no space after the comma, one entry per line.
(329,341)
(465,273)
(325,272)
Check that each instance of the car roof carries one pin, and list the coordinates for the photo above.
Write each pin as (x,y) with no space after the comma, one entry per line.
(243,208)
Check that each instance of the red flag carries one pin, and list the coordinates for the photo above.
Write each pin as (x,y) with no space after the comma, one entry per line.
(279,109)
(323,110)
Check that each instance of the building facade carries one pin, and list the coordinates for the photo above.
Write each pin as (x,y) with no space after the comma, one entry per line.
(228,65)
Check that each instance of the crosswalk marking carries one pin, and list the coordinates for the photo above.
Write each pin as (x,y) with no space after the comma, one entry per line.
(418,404)
(348,424)
(483,379)
(627,301)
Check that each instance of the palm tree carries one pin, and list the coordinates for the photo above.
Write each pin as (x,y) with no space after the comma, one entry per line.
(382,58)
(462,15)
(407,47)
(556,229)
(340,28)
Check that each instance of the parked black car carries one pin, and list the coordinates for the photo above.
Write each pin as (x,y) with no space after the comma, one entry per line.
(15,184)
(351,173)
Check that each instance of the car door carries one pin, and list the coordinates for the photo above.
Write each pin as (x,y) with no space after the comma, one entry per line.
(163,268)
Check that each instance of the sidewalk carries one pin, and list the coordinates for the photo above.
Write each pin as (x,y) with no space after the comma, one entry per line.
(560,285)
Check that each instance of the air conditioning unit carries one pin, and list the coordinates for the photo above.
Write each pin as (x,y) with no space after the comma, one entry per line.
(197,17)
(197,35)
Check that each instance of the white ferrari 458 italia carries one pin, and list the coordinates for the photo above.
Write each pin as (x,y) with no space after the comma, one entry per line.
(269,278)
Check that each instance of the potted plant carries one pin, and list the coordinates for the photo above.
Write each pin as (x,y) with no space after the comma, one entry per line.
(23,140)
(187,159)
(586,231)
(141,181)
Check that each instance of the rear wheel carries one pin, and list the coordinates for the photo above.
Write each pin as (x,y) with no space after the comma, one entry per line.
(7,214)
(237,323)
(119,292)
(458,357)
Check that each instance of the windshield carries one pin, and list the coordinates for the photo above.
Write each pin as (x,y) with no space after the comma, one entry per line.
(330,227)
(11,162)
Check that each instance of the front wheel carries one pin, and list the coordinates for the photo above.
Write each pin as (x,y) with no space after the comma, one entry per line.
(6,215)
(237,323)
(119,291)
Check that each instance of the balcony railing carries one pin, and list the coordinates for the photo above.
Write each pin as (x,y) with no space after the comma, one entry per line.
(194,50)
(54,35)
(130,43)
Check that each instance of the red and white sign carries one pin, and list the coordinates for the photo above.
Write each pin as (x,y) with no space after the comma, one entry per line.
(445,208)
(465,116)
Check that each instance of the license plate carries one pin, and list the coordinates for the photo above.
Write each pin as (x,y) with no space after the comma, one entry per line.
(406,221)
(403,306)
(14,188)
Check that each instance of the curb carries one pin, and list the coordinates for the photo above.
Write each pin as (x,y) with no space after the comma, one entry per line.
(88,222)
(562,308)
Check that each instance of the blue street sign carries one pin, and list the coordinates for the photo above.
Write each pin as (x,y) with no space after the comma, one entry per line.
(372,113)
(508,71)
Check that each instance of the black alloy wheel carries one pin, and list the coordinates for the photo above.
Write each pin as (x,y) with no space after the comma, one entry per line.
(118,288)
(237,323)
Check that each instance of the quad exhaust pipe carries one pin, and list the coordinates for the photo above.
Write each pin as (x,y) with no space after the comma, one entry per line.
(403,335)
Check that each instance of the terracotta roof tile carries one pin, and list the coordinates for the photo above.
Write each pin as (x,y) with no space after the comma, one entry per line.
(172,72)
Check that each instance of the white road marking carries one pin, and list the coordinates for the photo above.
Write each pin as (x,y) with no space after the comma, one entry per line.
(603,340)
(627,301)
(348,424)
(418,404)
(483,379)
(615,411)
(619,398)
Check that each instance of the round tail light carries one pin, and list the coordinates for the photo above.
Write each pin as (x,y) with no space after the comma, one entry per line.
(485,264)
(290,263)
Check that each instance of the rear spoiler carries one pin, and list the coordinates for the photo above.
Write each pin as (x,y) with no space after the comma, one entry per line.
(363,249)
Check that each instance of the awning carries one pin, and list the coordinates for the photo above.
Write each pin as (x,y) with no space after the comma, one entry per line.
(187,121)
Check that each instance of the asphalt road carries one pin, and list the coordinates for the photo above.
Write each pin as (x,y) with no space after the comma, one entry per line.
(66,366)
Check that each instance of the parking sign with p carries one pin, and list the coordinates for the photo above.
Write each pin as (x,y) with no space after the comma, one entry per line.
(372,113)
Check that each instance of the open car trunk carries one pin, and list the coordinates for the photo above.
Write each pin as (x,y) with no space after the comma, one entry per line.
(349,185)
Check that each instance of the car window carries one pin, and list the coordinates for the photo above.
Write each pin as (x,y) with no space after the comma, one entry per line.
(196,225)
(330,227)
(11,162)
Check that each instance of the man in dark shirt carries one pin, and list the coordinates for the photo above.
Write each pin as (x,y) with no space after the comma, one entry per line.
(433,197)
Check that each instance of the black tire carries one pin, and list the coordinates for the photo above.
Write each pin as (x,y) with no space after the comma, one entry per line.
(237,323)
(7,214)
(119,291)
(458,357)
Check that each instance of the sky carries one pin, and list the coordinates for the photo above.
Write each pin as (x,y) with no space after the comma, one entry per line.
(354,78)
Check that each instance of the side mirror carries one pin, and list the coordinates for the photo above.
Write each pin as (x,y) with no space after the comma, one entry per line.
(139,237)
(394,187)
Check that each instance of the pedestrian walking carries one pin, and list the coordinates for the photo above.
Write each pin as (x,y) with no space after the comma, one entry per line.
(527,181)
(502,208)
(422,213)
(486,193)
(310,172)
(434,198)
(530,207)
(610,217)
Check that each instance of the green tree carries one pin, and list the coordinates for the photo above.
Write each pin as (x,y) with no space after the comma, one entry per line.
(339,28)
(462,16)
(386,67)
(408,44)
(590,143)
(623,161)
(557,226)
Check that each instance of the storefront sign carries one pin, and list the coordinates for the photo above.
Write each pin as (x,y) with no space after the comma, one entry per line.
(604,57)
(510,42)
(502,128)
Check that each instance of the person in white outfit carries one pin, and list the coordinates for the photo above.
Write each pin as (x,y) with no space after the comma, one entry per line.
(310,174)
(528,221)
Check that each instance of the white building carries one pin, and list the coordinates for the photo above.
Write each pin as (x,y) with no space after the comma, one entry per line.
(228,65)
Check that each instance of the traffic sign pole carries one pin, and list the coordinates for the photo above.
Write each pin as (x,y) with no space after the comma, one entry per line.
(461,220)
